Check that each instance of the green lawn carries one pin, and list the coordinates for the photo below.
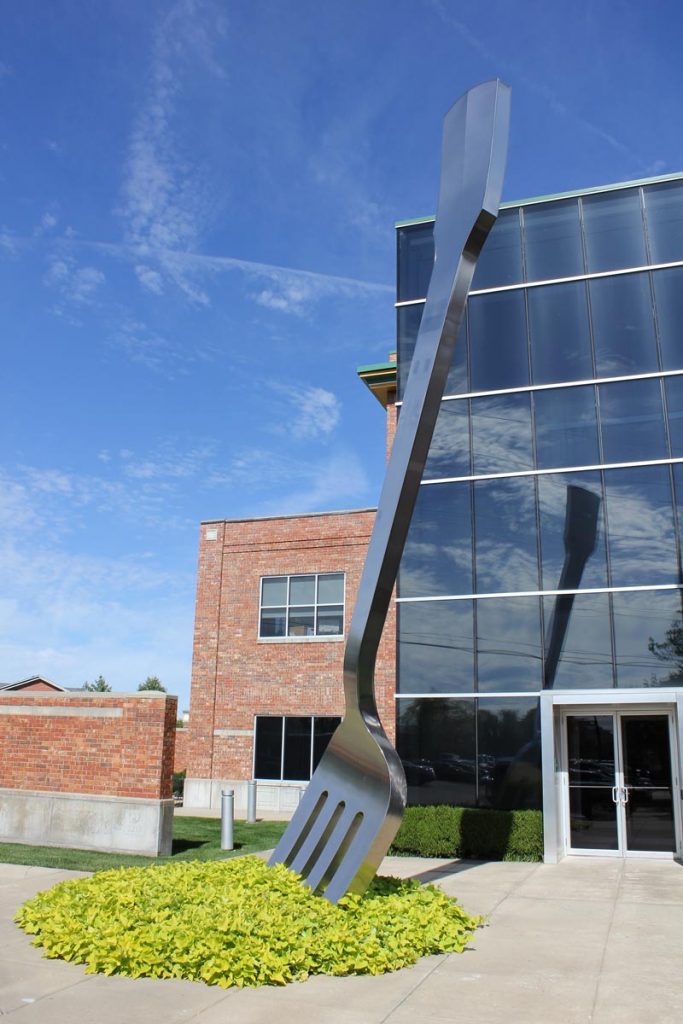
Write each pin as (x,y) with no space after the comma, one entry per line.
(193,839)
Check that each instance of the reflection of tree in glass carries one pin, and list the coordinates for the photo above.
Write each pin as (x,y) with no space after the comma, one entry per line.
(670,651)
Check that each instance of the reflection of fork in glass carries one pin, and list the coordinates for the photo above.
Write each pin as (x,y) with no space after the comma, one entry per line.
(354,803)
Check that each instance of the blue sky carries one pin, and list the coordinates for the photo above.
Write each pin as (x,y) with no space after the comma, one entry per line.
(197,202)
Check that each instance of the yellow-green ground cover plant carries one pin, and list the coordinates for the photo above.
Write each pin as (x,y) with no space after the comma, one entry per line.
(239,922)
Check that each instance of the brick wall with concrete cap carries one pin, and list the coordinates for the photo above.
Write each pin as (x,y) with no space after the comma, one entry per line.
(236,676)
(87,769)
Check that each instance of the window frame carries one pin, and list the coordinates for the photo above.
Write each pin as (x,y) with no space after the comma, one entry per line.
(283,718)
(316,605)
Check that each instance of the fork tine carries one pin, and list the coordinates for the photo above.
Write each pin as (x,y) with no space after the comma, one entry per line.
(302,822)
(345,868)
(324,862)
(317,834)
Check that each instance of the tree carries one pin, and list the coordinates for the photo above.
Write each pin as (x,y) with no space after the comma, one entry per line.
(152,683)
(99,686)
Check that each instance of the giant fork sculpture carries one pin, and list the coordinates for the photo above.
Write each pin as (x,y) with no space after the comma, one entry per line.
(354,803)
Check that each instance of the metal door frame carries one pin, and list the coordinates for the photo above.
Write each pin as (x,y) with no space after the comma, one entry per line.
(554,703)
(617,715)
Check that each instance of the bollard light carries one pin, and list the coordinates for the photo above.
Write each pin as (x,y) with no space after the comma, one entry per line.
(251,802)
(227,819)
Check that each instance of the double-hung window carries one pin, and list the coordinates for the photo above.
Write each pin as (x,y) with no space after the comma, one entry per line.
(302,607)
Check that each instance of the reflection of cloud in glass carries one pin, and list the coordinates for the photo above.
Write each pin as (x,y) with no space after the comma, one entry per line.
(449,452)
(506,556)
(501,428)
(641,528)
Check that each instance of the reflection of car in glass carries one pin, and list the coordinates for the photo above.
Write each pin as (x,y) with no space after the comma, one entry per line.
(589,771)
(450,766)
(418,772)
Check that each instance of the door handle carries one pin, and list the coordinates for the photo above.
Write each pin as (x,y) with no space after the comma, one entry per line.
(624,798)
(615,794)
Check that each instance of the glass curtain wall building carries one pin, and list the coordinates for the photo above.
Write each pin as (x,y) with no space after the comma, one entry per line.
(545,549)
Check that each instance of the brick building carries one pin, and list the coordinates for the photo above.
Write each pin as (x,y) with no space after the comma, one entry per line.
(274,601)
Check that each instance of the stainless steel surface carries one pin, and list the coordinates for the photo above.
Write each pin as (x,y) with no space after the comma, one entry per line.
(354,803)
(227,819)
(251,801)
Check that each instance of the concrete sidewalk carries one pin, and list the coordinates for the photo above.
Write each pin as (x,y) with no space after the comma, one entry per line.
(586,941)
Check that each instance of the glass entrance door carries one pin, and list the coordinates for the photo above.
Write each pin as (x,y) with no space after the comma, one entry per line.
(620,796)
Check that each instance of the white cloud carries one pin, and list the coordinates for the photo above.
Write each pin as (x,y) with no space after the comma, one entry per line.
(71,615)
(150,279)
(164,200)
(312,411)
(76,285)
(304,484)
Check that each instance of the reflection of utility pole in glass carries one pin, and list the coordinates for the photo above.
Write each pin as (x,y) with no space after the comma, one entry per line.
(580,535)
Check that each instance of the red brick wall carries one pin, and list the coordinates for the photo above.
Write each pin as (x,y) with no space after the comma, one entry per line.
(234,676)
(182,737)
(129,756)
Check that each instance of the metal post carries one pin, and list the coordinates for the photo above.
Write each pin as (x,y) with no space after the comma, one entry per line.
(227,819)
(251,802)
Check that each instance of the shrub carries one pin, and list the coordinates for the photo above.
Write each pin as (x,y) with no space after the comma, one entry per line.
(478,834)
(179,784)
(239,922)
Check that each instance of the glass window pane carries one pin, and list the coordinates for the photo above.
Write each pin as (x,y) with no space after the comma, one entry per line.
(449,452)
(435,648)
(498,344)
(268,753)
(614,231)
(436,743)
(273,622)
(648,633)
(572,531)
(415,260)
(331,588)
(273,591)
(323,728)
(641,527)
(407,326)
(623,325)
(552,239)
(508,644)
(437,558)
(509,753)
(578,648)
(302,589)
(566,427)
(505,531)
(297,763)
(500,261)
(674,402)
(560,333)
(301,622)
(632,421)
(330,620)
(456,382)
(668,285)
(664,215)
(501,433)
(409,320)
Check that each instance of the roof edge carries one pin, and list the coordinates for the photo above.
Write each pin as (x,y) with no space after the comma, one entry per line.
(553,197)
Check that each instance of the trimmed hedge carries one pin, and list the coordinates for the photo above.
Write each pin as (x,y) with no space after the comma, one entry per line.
(472,833)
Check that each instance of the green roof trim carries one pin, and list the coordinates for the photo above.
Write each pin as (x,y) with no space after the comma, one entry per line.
(376,367)
(561,195)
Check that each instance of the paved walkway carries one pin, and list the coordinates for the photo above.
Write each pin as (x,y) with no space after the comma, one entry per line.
(587,941)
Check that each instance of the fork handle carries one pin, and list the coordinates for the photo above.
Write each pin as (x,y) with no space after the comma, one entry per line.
(474,152)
